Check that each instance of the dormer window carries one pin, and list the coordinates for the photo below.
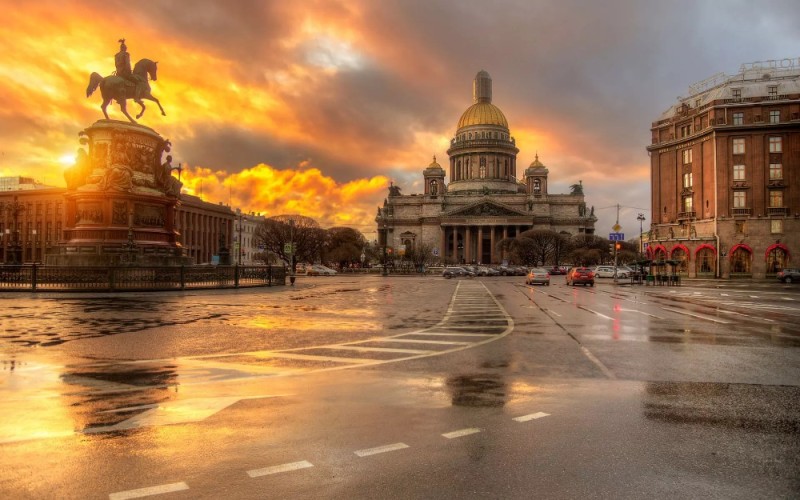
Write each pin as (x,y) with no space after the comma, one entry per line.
(736,94)
(773,92)
(537,186)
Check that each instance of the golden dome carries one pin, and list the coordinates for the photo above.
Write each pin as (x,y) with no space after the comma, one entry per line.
(483,113)
(434,163)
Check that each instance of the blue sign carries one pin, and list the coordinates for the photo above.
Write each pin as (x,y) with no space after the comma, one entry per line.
(616,236)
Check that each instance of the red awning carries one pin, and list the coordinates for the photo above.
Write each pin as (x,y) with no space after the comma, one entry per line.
(703,246)
(679,246)
(738,246)
(776,246)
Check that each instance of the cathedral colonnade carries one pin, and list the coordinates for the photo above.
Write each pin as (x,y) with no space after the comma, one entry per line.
(476,243)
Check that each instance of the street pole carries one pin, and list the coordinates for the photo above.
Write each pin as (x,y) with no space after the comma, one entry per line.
(292,277)
(385,244)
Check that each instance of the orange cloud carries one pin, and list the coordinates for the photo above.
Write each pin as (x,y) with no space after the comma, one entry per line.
(306,191)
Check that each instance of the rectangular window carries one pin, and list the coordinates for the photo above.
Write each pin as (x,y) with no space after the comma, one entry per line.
(740,227)
(738,118)
(738,146)
(775,144)
(687,180)
(776,198)
(773,91)
(687,156)
(739,199)
(775,116)
(738,172)
(687,204)
(775,171)
(736,94)
(776,226)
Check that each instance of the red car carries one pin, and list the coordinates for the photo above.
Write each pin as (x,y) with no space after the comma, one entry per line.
(580,276)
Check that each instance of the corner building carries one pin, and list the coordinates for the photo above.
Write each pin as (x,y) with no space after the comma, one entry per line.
(464,220)
(725,174)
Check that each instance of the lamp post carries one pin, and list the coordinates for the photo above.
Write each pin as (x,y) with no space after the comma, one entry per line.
(35,250)
(292,277)
(239,238)
(640,218)
(14,209)
(385,244)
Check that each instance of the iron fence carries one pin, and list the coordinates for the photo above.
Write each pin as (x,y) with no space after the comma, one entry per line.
(69,279)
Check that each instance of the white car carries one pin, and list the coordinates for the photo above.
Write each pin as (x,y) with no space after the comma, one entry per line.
(320,270)
(608,272)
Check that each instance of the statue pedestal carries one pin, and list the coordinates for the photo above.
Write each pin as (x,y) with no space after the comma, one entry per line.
(120,200)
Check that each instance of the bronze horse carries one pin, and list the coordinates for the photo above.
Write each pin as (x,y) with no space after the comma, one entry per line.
(121,89)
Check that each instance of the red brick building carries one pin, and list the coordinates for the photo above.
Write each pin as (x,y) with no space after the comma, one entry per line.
(725,174)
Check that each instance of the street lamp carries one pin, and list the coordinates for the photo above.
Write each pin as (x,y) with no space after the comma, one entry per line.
(385,244)
(35,250)
(640,218)
(292,277)
(239,240)
(14,209)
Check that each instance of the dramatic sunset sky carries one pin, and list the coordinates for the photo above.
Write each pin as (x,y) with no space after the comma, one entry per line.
(313,107)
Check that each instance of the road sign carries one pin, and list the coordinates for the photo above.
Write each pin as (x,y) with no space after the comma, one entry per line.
(287,248)
(616,228)
(435,251)
(616,236)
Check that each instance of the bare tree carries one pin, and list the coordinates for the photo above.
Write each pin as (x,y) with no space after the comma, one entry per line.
(343,246)
(421,255)
(276,232)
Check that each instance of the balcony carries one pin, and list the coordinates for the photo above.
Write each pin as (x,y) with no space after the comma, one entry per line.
(777,211)
(686,215)
(742,211)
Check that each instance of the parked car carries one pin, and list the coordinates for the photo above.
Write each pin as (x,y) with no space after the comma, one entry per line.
(608,272)
(789,275)
(487,271)
(537,275)
(580,276)
(557,270)
(455,272)
(320,270)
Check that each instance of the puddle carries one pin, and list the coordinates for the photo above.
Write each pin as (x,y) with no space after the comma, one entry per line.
(483,390)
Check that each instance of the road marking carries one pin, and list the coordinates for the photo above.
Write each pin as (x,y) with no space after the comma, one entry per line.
(699,316)
(594,312)
(753,296)
(460,433)
(380,449)
(641,312)
(532,416)
(450,334)
(275,469)
(725,295)
(787,298)
(598,363)
(553,313)
(150,491)
(353,347)
(416,341)
(747,316)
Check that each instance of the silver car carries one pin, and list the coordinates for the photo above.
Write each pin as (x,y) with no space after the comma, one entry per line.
(608,272)
(537,275)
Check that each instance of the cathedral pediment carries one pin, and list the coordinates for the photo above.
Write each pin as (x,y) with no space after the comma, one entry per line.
(486,209)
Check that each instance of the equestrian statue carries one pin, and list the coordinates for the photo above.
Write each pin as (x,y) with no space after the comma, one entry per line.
(125,83)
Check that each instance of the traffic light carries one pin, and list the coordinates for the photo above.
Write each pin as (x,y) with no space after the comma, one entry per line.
(618,246)
(611,247)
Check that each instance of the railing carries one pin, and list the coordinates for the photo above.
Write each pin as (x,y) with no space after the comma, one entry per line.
(67,279)
(778,210)
(686,215)
(742,211)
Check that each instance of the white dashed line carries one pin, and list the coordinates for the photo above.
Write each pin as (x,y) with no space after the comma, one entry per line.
(532,416)
(594,312)
(146,492)
(380,449)
(460,433)
(276,469)
(684,313)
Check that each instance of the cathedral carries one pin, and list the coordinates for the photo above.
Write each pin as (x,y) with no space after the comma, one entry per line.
(484,202)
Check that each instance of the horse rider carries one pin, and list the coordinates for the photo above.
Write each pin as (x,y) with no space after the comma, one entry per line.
(122,60)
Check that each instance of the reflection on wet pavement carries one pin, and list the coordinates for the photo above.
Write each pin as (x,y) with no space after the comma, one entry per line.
(119,395)
(762,408)
(477,390)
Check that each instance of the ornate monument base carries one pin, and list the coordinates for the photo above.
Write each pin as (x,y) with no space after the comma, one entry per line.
(120,200)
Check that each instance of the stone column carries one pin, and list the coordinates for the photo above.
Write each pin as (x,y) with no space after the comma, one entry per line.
(455,244)
(491,242)
(467,244)
(443,242)
(480,245)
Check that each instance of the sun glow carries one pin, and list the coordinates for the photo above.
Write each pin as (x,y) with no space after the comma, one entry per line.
(67,160)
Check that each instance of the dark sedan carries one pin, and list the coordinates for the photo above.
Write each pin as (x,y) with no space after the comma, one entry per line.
(789,275)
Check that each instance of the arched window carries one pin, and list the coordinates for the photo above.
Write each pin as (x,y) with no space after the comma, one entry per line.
(777,259)
(537,186)
(741,260)
(482,167)
(679,255)
(705,261)
(434,189)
